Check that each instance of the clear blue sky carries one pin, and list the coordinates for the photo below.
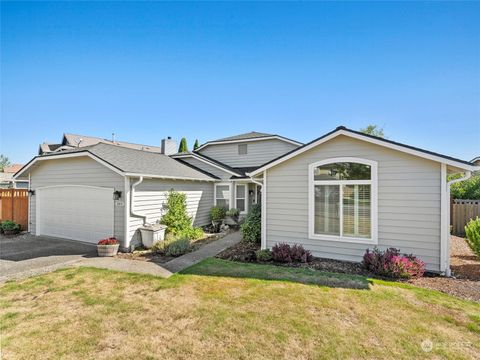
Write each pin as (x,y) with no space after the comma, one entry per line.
(205,70)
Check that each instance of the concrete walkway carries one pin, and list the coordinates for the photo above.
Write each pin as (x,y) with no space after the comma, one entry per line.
(204,252)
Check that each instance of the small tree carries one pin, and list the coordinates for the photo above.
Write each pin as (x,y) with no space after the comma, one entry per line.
(468,189)
(176,218)
(4,161)
(183,145)
(374,130)
(196,145)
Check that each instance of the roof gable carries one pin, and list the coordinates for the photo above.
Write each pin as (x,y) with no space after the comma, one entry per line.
(341,130)
(251,136)
(130,162)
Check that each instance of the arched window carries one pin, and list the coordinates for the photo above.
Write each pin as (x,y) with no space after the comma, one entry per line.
(343,200)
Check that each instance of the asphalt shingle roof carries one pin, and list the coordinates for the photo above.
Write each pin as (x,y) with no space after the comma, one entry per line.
(250,135)
(141,162)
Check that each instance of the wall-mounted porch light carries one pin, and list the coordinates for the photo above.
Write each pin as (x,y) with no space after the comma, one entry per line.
(117,195)
(31,192)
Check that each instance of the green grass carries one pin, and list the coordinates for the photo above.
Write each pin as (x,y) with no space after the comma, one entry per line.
(218,267)
(219,309)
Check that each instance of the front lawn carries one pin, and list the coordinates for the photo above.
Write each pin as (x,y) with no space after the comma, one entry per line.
(220,309)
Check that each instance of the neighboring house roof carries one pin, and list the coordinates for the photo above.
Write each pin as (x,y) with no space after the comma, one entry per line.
(251,136)
(342,130)
(75,141)
(131,162)
(476,161)
(12,169)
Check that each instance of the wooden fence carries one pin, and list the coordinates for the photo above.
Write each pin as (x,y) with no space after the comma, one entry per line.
(14,206)
(461,211)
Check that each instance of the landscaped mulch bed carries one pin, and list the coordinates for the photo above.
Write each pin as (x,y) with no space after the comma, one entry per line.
(465,282)
(149,255)
(465,267)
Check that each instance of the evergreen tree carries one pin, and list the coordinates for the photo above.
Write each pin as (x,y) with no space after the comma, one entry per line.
(374,130)
(196,145)
(183,145)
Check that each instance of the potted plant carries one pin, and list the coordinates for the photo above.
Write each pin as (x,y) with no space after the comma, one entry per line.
(10,227)
(217,214)
(108,247)
(232,216)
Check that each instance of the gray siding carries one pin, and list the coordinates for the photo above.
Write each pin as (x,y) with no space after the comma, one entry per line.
(259,152)
(408,202)
(208,168)
(77,171)
(151,194)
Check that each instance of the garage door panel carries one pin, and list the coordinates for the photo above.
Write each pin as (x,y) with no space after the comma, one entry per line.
(75,212)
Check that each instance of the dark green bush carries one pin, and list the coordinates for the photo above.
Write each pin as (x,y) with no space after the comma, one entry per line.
(252,227)
(178,247)
(217,213)
(263,255)
(9,225)
(472,231)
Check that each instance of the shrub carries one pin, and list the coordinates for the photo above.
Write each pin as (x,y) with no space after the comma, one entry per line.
(468,189)
(391,263)
(108,241)
(263,255)
(472,231)
(287,254)
(9,225)
(178,247)
(217,213)
(252,227)
(234,213)
(193,233)
(176,218)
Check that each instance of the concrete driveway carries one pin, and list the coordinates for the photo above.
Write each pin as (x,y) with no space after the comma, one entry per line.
(26,255)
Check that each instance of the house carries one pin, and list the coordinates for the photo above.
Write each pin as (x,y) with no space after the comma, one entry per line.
(337,195)
(6,178)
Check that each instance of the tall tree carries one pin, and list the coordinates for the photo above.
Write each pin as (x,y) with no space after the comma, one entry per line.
(196,145)
(183,145)
(374,130)
(4,161)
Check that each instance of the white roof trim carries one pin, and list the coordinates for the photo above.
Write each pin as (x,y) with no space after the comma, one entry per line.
(69,155)
(248,140)
(168,177)
(367,139)
(206,161)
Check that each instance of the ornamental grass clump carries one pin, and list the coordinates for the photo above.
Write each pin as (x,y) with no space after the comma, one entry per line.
(472,232)
(390,263)
(285,253)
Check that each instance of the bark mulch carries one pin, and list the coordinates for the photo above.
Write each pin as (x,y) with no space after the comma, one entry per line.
(464,284)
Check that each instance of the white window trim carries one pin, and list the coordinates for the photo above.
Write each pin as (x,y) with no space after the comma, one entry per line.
(374,200)
(245,198)
(229,184)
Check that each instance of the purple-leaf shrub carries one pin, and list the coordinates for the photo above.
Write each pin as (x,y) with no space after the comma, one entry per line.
(286,254)
(391,263)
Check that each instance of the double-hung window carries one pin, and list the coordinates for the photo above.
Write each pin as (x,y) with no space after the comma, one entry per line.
(343,200)
(241,197)
(222,195)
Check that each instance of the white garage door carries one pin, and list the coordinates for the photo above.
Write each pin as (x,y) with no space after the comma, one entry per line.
(75,212)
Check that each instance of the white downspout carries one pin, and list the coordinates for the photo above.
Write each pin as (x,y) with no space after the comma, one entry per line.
(132,193)
(467,176)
